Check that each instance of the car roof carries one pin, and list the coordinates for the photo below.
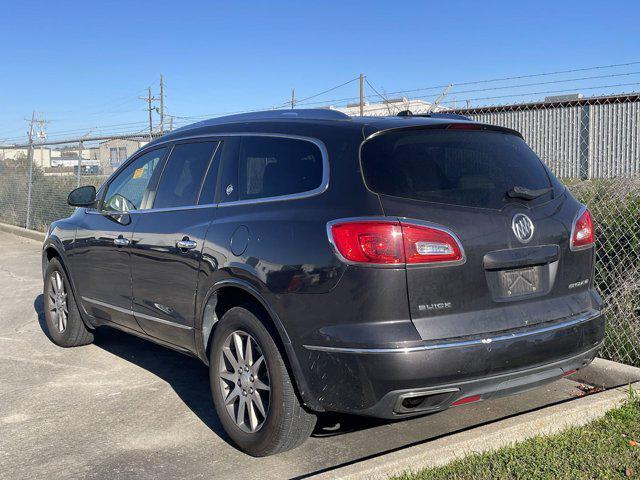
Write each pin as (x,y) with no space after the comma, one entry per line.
(285,121)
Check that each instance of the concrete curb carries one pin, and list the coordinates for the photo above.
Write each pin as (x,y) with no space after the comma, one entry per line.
(22,232)
(546,421)
(607,374)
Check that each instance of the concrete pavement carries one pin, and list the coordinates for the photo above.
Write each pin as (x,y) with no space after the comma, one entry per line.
(126,408)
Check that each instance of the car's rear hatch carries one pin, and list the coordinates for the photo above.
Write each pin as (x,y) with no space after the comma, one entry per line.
(518,271)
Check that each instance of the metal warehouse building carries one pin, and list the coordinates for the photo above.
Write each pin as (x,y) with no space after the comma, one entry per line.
(596,137)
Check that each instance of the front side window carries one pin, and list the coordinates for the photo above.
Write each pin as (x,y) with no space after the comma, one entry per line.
(273,166)
(127,190)
(183,175)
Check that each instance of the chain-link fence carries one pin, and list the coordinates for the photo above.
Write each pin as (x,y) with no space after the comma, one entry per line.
(592,144)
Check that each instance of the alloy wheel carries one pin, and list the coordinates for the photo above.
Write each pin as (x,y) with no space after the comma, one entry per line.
(244,381)
(58,308)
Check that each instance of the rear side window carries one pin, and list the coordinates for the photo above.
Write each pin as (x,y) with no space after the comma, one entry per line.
(460,167)
(182,176)
(273,166)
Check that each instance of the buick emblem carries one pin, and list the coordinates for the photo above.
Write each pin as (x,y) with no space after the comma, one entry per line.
(522,227)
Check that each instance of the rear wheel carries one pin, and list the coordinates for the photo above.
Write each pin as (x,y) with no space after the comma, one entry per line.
(251,388)
(62,317)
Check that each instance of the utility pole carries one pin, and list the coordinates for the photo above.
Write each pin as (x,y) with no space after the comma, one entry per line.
(42,135)
(171,123)
(361,95)
(149,99)
(161,105)
(293,98)
(30,160)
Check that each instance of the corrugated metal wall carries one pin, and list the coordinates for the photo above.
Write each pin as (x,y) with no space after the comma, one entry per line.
(599,141)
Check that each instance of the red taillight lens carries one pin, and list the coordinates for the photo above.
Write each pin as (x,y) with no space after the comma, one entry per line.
(393,242)
(369,242)
(582,235)
(429,245)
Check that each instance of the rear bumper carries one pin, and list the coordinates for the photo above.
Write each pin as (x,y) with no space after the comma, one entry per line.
(375,381)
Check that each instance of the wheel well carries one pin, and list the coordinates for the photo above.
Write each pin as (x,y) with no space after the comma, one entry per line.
(49,254)
(226,298)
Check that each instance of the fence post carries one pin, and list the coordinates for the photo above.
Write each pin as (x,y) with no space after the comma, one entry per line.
(80,146)
(583,142)
(27,223)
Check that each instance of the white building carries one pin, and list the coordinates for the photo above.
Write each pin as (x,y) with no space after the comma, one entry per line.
(393,106)
(41,155)
(114,152)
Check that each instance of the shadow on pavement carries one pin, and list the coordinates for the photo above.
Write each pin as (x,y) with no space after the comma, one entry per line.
(189,378)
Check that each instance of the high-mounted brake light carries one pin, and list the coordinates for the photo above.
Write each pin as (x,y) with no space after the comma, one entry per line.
(392,242)
(582,234)
(465,126)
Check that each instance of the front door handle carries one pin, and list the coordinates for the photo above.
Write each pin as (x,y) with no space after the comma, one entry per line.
(121,242)
(186,244)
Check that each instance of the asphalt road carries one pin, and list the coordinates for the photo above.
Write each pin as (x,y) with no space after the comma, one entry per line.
(126,408)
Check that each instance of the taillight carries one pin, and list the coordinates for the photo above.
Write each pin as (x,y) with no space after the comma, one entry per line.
(424,244)
(582,235)
(392,242)
(369,241)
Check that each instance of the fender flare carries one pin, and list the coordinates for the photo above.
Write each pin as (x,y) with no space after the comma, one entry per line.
(51,242)
(292,360)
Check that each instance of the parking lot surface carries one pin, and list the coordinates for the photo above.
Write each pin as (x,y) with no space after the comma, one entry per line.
(126,408)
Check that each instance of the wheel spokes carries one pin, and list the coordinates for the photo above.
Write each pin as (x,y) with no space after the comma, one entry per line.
(244,381)
(57,297)
(257,400)
(237,341)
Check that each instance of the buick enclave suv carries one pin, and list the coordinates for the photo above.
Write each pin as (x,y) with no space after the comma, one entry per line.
(387,266)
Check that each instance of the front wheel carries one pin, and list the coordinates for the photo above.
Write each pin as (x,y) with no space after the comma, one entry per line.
(251,388)
(62,317)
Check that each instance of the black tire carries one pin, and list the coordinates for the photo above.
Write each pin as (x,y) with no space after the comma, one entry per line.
(286,424)
(71,331)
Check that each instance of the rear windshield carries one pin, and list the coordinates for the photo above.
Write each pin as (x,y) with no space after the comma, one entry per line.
(460,167)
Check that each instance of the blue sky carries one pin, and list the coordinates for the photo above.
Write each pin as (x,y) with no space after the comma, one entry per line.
(83,64)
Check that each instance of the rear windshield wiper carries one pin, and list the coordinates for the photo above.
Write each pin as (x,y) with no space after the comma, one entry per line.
(526,193)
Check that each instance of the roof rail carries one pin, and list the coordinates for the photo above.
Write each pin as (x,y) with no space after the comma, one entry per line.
(451,116)
(290,114)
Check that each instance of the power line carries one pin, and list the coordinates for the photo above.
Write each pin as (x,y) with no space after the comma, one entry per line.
(440,87)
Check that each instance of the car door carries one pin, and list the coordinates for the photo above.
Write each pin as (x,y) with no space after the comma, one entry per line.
(100,257)
(167,242)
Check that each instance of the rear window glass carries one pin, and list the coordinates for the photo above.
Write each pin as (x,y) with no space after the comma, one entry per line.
(273,166)
(459,167)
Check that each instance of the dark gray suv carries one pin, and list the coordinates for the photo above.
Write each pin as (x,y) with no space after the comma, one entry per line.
(387,266)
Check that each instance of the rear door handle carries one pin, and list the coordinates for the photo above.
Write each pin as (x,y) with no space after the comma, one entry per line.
(186,244)
(121,242)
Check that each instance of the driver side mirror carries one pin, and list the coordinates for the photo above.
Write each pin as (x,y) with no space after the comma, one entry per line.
(82,196)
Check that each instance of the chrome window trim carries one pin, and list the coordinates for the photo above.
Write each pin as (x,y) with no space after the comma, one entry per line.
(136,314)
(406,220)
(581,210)
(324,184)
(573,321)
(320,189)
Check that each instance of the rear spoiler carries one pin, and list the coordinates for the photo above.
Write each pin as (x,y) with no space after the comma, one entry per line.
(462,125)
(451,116)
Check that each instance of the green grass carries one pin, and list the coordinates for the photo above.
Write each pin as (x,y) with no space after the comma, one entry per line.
(601,449)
